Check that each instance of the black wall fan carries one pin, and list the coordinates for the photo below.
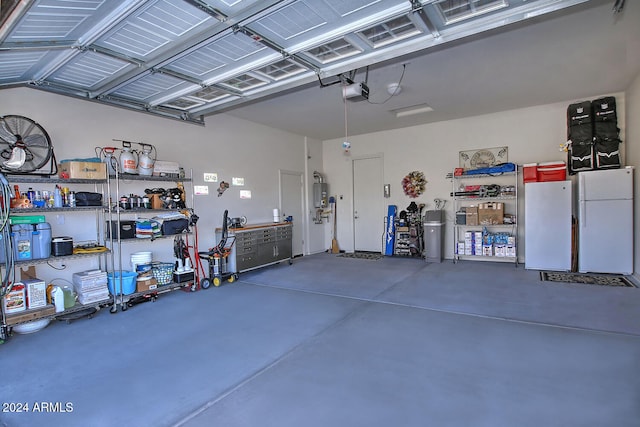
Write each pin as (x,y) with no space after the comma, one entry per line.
(25,147)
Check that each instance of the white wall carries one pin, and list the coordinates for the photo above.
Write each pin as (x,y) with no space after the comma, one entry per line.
(532,135)
(632,143)
(227,146)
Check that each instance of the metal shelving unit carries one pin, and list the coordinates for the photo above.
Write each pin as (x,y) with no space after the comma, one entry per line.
(115,213)
(10,320)
(460,236)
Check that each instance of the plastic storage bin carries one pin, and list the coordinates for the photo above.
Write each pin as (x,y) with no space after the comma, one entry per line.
(128,282)
(42,240)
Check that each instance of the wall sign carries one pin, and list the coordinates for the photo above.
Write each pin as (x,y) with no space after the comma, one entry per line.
(483,157)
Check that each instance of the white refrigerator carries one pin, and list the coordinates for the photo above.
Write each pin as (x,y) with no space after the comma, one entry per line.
(605,221)
(547,222)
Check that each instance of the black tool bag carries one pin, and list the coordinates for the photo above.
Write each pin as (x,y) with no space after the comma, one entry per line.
(580,136)
(606,133)
(580,157)
(579,123)
(84,198)
(174,226)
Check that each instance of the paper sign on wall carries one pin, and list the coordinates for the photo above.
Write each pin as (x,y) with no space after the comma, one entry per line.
(245,194)
(201,190)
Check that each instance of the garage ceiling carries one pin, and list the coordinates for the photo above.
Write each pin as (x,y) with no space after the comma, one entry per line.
(187,59)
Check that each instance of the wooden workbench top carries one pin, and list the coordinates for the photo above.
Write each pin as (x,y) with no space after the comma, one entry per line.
(255,226)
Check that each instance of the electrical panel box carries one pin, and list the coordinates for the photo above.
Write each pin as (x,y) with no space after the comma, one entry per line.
(320,194)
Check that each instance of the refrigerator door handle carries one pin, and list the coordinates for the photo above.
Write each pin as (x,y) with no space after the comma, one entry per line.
(583,214)
(581,187)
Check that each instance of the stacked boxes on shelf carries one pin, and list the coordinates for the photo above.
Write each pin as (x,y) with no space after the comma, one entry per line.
(91,286)
(472,243)
(483,243)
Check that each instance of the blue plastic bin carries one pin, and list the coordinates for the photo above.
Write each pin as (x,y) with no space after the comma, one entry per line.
(128,282)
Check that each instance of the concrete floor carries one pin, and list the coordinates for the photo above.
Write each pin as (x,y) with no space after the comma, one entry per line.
(332,341)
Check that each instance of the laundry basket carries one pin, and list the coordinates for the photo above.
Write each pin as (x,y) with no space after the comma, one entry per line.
(163,272)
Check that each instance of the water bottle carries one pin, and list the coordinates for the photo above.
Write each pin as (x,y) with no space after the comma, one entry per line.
(58,299)
(57,198)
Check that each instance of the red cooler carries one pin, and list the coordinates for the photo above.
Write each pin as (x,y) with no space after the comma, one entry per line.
(530,172)
(552,171)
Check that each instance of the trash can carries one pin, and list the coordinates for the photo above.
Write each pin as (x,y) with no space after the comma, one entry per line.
(433,230)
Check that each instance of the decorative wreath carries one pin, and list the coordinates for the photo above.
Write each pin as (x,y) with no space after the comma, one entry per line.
(414,184)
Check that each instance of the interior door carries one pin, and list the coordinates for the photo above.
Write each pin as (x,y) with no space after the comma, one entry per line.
(291,197)
(368,207)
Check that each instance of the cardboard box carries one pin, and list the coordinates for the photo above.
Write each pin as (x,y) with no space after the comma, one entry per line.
(36,293)
(146,285)
(82,170)
(16,299)
(491,213)
(472,215)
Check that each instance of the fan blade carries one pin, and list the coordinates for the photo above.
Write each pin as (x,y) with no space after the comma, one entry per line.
(16,161)
(5,134)
(37,141)
(37,151)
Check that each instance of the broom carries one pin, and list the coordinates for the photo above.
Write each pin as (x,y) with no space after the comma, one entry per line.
(335,249)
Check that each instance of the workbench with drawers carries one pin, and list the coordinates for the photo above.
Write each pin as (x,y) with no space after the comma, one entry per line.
(259,245)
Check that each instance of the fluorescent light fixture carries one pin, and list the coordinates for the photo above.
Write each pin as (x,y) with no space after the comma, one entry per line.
(412,111)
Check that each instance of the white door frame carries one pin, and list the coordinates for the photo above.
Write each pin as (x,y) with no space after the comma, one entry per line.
(303,217)
(353,195)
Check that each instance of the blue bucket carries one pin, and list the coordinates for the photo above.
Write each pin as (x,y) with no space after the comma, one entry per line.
(128,282)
